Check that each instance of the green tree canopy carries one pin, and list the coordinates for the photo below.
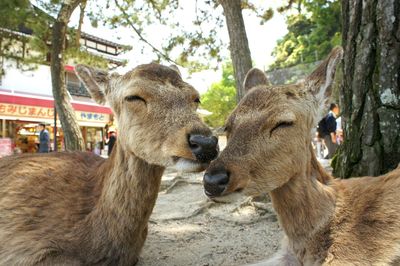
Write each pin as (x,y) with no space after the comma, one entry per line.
(13,12)
(37,20)
(220,99)
(312,33)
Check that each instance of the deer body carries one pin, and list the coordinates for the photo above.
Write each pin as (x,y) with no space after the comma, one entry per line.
(326,221)
(88,212)
(340,222)
(79,209)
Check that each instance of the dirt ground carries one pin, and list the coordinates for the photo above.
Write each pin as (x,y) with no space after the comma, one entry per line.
(186,228)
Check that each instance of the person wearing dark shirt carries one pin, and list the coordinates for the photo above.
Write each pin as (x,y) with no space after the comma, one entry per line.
(44,139)
(111,141)
(330,130)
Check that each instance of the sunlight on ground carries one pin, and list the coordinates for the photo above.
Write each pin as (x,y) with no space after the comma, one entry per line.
(245,212)
(182,229)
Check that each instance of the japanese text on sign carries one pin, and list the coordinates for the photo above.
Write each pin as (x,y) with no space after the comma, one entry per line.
(27,111)
(48,113)
(96,117)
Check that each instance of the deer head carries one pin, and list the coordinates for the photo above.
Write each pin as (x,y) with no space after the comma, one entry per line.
(269,132)
(156,115)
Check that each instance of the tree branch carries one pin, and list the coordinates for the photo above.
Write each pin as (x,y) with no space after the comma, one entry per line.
(81,16)
(153,4)
(166,57)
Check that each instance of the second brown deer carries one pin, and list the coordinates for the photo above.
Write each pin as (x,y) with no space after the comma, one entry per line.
(79,209)
(326,221)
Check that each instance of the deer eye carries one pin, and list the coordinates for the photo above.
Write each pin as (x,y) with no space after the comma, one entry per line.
(282,124)
(133,98)
(197,100)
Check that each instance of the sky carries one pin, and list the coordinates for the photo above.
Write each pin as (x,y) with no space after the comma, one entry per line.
(262,39)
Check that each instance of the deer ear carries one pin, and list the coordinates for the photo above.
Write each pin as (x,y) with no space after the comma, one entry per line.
(254,78)
(174,67)
(95,80)
(320,80)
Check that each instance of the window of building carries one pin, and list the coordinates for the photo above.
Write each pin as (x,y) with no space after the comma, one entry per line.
(90,44)
(101,47)
(111,50)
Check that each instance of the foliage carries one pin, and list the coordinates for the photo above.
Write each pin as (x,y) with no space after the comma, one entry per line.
(312,34)
(21,15)
(220,99)
(13,12)
(195,46)
(77,56)
(38,20)
(263,14)
(26,51)
(189,46)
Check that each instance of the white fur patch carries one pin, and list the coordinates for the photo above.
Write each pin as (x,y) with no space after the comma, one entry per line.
(185,165)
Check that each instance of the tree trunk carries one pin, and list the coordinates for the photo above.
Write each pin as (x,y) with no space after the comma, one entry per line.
(370,95)
(239,45)
(72,132)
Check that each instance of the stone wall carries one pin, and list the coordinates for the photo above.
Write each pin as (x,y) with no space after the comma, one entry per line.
(291,74)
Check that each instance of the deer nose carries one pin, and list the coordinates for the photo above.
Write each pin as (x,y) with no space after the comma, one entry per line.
(215,182)
(203,147)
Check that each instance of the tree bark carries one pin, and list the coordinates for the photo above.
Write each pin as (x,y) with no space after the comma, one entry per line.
(239,45)
(370,93)
(72,133)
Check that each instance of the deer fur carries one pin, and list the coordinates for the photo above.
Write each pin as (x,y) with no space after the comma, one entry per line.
(326,221)
(75,208)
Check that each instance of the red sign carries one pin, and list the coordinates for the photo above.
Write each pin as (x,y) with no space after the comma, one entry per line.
(5,147)
(26,111)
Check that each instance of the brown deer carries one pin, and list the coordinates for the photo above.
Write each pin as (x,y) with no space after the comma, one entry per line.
(326,221)
(79,209)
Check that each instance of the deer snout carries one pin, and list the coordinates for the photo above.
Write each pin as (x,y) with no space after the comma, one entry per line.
(215,182)
(204,148)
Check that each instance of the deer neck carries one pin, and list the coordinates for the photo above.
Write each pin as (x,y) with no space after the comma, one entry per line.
(128,193)
(305,204)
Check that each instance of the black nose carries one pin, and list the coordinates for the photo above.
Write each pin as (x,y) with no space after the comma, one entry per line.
(215,183)
(204,148)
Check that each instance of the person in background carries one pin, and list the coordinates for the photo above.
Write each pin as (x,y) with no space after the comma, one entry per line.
(111,140)
(318,146)
(339,130)
(329,129)
(44,139)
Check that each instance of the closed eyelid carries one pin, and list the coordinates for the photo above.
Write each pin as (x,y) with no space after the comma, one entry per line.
(281,124)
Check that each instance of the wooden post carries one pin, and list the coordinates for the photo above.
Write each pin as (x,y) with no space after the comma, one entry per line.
(3,133)
(55,129)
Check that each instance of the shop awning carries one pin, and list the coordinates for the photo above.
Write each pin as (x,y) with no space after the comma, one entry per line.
(37,108)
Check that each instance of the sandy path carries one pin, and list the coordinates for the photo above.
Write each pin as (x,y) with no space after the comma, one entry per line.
(186,228)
